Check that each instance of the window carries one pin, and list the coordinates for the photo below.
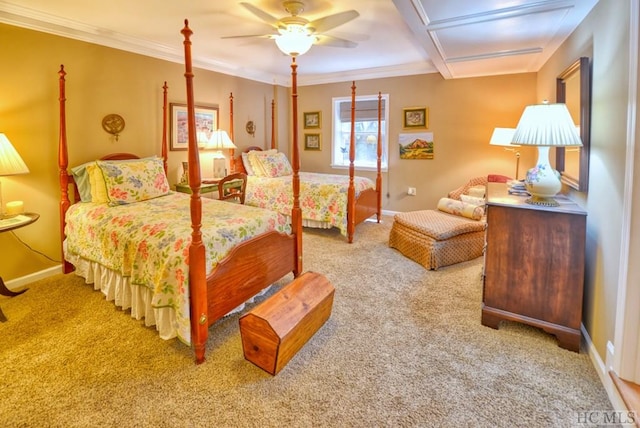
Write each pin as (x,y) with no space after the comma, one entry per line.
(366,132)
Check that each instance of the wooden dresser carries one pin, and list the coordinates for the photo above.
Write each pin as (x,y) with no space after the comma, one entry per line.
(534,264)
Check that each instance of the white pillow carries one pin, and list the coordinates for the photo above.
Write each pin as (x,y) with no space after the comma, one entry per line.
(473,200)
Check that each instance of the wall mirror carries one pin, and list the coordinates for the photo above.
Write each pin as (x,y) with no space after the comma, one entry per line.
(573,87)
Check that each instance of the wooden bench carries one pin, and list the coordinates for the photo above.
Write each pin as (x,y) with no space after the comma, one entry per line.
(274,331)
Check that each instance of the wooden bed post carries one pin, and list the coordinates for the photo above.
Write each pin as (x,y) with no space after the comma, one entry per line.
(197,268)
(165,154)
(232,167)
(296,211)
(351,192)
(379,160)
(63,164)
(273,124)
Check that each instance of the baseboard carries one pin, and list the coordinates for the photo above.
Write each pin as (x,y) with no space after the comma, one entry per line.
(602,368)
(28,279)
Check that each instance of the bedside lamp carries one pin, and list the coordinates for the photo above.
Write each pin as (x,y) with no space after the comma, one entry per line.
(10,164)
(220,141)
(503,137)
(545,126)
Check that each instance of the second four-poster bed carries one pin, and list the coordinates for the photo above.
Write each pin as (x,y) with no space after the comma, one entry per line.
(328,200)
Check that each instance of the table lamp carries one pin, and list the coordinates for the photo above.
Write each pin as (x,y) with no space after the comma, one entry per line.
(503,137)
(545,126)
(10,164)
(219,141)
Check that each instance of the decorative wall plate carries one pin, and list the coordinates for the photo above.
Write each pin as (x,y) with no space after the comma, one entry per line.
(113,124)
(251,128)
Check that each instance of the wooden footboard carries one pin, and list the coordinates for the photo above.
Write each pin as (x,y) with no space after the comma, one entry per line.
(367,206)
(248,269)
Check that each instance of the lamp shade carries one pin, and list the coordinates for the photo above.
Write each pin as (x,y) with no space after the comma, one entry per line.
(546,125)
(220,140)
(294,40)
(10,161)
(502,137)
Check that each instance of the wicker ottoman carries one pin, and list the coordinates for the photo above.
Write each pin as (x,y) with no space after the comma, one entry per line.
(436,239)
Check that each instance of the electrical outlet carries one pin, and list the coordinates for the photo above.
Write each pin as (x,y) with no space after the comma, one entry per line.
(411,191)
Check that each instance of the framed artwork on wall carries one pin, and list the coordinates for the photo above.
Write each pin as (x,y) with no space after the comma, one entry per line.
(206,123)
(312,120)
(415,118)
(416,145)
(312,142)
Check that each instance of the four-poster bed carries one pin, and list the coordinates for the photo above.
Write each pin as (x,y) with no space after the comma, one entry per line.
(180,261)
(328,200)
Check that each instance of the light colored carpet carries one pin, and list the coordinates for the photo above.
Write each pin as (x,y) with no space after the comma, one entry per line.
(403,347)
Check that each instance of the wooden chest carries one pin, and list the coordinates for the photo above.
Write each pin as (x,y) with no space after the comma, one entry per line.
(279,327)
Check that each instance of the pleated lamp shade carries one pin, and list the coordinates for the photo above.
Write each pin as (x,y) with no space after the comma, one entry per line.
(10,161)
(545,126)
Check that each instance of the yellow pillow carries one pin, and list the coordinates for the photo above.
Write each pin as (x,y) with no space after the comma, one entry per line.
(255,159)
(98,186)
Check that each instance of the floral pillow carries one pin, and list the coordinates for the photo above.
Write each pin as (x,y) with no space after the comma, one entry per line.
(459,208)
(276,165)
(134,181)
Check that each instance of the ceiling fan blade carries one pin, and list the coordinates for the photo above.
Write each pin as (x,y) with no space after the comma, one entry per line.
(263,36)
(329,22)
(264,16)
(326,40)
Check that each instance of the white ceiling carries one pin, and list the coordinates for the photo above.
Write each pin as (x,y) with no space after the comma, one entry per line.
(457,38)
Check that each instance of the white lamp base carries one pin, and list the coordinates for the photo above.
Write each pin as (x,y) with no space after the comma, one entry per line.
(542,181)
(219,165)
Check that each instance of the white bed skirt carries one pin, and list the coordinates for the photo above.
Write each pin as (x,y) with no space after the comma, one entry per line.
(313,223)
(138,298)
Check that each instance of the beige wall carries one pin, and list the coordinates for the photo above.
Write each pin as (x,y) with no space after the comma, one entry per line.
(99,81)
(603,36)
(462,116)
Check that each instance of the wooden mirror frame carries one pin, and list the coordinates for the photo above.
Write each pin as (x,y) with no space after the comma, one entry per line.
(583,66)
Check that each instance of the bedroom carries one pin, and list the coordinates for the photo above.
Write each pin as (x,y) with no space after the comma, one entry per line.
(105,79)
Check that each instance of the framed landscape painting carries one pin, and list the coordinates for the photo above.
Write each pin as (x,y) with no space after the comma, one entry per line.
(416,146)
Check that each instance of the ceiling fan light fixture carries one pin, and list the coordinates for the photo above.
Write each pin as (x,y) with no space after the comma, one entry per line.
(294,40)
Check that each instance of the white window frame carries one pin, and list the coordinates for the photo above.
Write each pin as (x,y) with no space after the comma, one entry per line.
(340,159)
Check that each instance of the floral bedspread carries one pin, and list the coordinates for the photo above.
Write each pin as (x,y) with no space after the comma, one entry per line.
(149,242)
(323,197)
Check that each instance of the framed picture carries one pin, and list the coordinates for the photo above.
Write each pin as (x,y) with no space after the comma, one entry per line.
(312,142)
(312,120)
(416,145)
(206,123)
(415,117)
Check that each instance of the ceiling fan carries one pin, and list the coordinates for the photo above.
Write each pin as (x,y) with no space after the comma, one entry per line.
(294,35)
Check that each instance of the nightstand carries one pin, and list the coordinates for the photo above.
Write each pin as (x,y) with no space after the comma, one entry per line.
(208,186)
(7,224)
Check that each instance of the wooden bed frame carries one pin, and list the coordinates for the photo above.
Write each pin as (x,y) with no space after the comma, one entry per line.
(249,268)
(368,202)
